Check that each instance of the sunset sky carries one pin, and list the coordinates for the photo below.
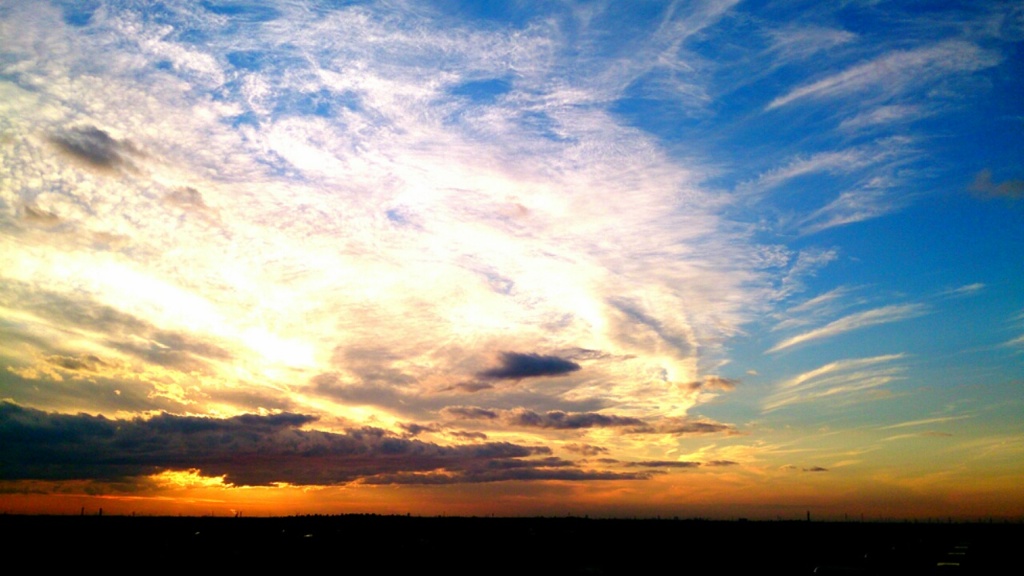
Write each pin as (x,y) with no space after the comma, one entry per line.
(720,259)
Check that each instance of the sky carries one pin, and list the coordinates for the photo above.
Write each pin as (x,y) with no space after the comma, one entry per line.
(701,259)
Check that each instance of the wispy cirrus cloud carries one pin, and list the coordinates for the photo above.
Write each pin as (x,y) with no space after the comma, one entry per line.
(836,381)
(873,317)
(797,42)
(894,72)
(924,422)
(883,116)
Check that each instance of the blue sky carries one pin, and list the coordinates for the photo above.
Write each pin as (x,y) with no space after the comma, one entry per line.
(651,257)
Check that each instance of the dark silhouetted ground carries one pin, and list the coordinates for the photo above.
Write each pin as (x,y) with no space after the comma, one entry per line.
(358,544)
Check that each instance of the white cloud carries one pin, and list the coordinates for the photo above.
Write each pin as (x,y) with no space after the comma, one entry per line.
(924,422)
(807,264)
(441,229)
(798,42)
(842,161)
(965,290)
(873,317)
(850,207)
(842,380)
(813,310)
(883,116)
(896,71)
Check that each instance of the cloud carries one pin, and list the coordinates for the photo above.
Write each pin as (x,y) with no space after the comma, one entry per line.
(965,290)
(515,366)
(984,187)
(255,450)
(88,363)
(896,71)
(713,383)
(849,207)
(532,472)
(685,426)
(568,421)
(834,162)
(807,264)
(815,469)
(555,419)
(172,349)
(297,200)
(923,422)
(188,198)
(413,429)
(585,449)
(40,217)
(113,328)
(876,316)
(468,413)
(96,147)
(813,310)
(835,381)
(715,463)
(800,42)
(559,420)
(469,387)
(360,206)
(883,116)
(663,464)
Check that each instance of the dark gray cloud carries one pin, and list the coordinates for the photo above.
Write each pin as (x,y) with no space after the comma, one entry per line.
(469,387)
(815,469)
(468,413)
(559,420)
(985,187)
(501,471)
(413,429)
(466,435)
(40,216)
(255,450)
(567,420)
(713,383)
(85,362)
(555,419)
(663,464)
(721,463)
(585,449)
(94,146)
(682,426)
(515,366)
(186,197)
